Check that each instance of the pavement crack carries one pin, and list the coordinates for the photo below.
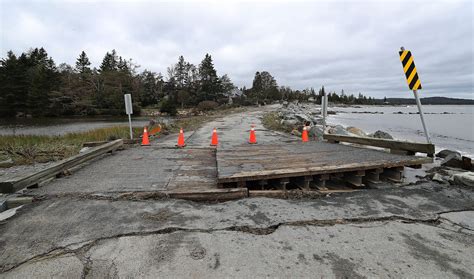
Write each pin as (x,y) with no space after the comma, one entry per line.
(86,246)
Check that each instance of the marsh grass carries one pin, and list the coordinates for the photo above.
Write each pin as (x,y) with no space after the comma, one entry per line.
(28,149)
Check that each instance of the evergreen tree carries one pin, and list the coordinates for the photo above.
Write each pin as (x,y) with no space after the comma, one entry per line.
(83,63)
(210,89)
(181,74)
(44,78)
(13,85)
(257,83)
(227,85)
(110,62)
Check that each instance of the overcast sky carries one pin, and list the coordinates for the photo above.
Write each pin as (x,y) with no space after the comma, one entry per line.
(350,45)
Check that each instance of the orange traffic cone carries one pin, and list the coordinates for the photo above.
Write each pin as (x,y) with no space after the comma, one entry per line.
(253,138)
(304,135)
(181,139)
(145,140)
(214,139)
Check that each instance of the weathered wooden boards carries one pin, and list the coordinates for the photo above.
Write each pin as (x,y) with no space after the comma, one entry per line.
(14,185)
(396,147)
(273,161)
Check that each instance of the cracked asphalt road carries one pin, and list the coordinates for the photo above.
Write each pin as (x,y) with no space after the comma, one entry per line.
(421,230)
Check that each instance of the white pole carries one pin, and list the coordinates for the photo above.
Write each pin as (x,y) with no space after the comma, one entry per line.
(326,101)
(130,124)
(323,111)
(129,111)
(418,103)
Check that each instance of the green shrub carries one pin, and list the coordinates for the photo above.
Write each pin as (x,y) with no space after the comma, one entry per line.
(207,105)
(169,107)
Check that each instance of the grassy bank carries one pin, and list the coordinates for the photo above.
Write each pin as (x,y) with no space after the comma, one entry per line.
(28,149)
(272,121)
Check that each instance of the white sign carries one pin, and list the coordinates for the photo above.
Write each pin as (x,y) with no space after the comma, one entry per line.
(128,104)
(129,111)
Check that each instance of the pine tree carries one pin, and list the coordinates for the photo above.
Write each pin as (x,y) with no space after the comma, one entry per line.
(180,73)
(13,84)
(209,82)
(110,62)
(44,78)
(83,63)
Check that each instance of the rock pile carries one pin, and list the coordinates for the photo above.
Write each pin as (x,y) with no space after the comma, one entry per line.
(293,116)
(298,114)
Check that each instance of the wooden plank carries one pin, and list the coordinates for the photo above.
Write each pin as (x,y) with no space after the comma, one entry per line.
(355,178)
(385,143)
(17,201)
(209,195)
(14,185)
(290,172)
(320,181)
(393,174)
(373,176)
(276,161)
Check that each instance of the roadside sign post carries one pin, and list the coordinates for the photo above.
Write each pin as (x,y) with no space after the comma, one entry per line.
(414,83)
(129,111)
(326,101)
(323,110)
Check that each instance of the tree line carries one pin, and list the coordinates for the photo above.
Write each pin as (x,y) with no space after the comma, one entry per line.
(32,84)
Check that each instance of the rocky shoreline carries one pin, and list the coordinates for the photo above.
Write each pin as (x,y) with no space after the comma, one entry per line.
(449,166)
(295,116)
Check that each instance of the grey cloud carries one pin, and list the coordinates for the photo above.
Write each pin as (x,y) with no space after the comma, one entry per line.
(350,45)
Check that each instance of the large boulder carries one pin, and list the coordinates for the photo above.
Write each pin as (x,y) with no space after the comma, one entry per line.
(452,160)
(446,152)
(438,178)
(289,122)
(381,135)
(316,132)
(338,130)
(465,178)
(302,117)
(356,131)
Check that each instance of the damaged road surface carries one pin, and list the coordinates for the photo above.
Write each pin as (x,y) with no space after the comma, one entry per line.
(78,228)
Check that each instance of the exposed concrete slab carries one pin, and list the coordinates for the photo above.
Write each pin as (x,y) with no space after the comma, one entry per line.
(63,266)
(464,219)
(234,130)
(50,225)
(390,232)
(338,251)
(141,169)
(378,249)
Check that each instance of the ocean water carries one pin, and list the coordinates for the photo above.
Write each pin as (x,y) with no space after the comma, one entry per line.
(450,127)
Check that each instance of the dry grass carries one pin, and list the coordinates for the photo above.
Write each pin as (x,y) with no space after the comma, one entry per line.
(272,121)
(28,149)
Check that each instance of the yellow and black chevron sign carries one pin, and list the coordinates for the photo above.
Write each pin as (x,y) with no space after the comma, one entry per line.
(409,68)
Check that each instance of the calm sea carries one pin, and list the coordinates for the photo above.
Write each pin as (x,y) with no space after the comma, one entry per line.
(450,127)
